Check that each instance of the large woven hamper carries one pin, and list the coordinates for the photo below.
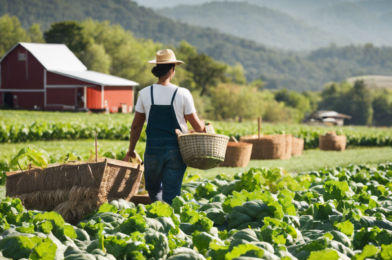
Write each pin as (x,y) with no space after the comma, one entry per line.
(267,147)
(203,151)
(332,142)
(288,147)
(75,189)
(237,155)
(297,146)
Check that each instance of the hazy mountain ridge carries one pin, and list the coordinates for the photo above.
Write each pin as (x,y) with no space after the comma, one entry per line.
(261,24)
(277,68)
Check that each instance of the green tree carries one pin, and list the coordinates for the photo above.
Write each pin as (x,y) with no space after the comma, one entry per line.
(207,73)
(35,33)
(11,32)
(358,104)
(71,34)
(95,58)
(236,74)
(382,111)
(293,99)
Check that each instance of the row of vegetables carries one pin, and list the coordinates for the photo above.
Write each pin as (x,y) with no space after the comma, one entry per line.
(339,213)
(19,126)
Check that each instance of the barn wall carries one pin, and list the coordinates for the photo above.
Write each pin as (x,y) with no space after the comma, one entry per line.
(28,100)
(56,79)
(16,75)
(115,96)
(61,96)
(94,98)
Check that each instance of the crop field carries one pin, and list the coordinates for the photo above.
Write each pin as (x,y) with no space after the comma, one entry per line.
(23,126)
(336,213)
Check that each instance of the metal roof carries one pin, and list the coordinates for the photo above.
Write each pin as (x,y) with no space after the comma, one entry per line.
(96,78)
(52,56)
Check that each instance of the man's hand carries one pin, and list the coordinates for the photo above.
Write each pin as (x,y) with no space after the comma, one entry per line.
(129,156)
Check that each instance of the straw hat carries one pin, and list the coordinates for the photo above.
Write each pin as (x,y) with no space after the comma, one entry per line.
(166,56)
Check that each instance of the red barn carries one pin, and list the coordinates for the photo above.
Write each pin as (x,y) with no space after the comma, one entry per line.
(51,77)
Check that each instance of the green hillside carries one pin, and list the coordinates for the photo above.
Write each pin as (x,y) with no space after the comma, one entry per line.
(278,69)
(260,24)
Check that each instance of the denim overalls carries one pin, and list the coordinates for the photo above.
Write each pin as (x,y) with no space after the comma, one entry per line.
(164,167)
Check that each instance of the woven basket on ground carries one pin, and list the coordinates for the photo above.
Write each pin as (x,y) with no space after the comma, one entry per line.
(297,146)
(268,147)
(237,155)
(203,151)
(75,189)
(288,147)
(332,142)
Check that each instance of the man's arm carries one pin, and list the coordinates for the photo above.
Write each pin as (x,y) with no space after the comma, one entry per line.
(136,129)
(196,123)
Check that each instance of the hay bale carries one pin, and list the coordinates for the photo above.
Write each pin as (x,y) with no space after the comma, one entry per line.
(237,155)
(297,146)
(74,189)
(332,142)
(268,147)
(288,147)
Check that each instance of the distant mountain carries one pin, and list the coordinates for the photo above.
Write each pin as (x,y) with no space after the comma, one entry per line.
(278,69)
(353,21)
(260,24)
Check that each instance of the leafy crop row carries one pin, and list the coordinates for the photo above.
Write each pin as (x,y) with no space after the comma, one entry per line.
(33,126)
(338,213)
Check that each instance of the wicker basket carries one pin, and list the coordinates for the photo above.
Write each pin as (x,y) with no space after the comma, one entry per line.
(203,151)
(297,146)
(268,147)
(288,147)
(75,189)
(237,155)
(332,142)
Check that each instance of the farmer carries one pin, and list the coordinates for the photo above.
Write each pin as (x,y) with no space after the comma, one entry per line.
(167,108)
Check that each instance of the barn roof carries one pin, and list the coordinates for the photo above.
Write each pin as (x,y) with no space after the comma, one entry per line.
(52,56)
(96,78)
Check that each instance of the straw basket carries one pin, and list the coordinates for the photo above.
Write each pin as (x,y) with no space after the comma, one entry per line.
(267,147)
(75,189)
(237,155)
(203,151)
(332,142)
(288,147)
(297,146)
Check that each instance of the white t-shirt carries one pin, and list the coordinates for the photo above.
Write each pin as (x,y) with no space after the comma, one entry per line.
(183,102)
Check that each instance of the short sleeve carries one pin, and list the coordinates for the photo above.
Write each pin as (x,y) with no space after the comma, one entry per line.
(189,106)
(139,105)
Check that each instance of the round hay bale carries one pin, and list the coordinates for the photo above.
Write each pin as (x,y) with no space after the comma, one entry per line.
(268,147)
(332,142)
(297,146)
(288,147)
(237,155)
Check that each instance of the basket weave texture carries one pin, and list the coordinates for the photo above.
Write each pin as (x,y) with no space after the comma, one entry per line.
(237,155)
(74,189)
(203,151)
(268,147)
(332,142)
(297,146)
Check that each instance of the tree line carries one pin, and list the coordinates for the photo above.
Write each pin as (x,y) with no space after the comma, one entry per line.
(221,91)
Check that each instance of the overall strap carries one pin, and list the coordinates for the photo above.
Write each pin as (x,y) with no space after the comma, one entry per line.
(174,96)
(152,95)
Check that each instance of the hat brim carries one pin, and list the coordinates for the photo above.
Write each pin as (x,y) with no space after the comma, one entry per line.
(177,62)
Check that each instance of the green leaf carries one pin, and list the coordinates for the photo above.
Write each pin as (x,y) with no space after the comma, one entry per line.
(159,209)
(72,157)
(328,235)
(106,207)
(386,252)
(327,254)
(69,231)
(110,155)
(26,228)
(46,227)
(368,251)
(241,250)
(346,227)
(337,190)
(46,250)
